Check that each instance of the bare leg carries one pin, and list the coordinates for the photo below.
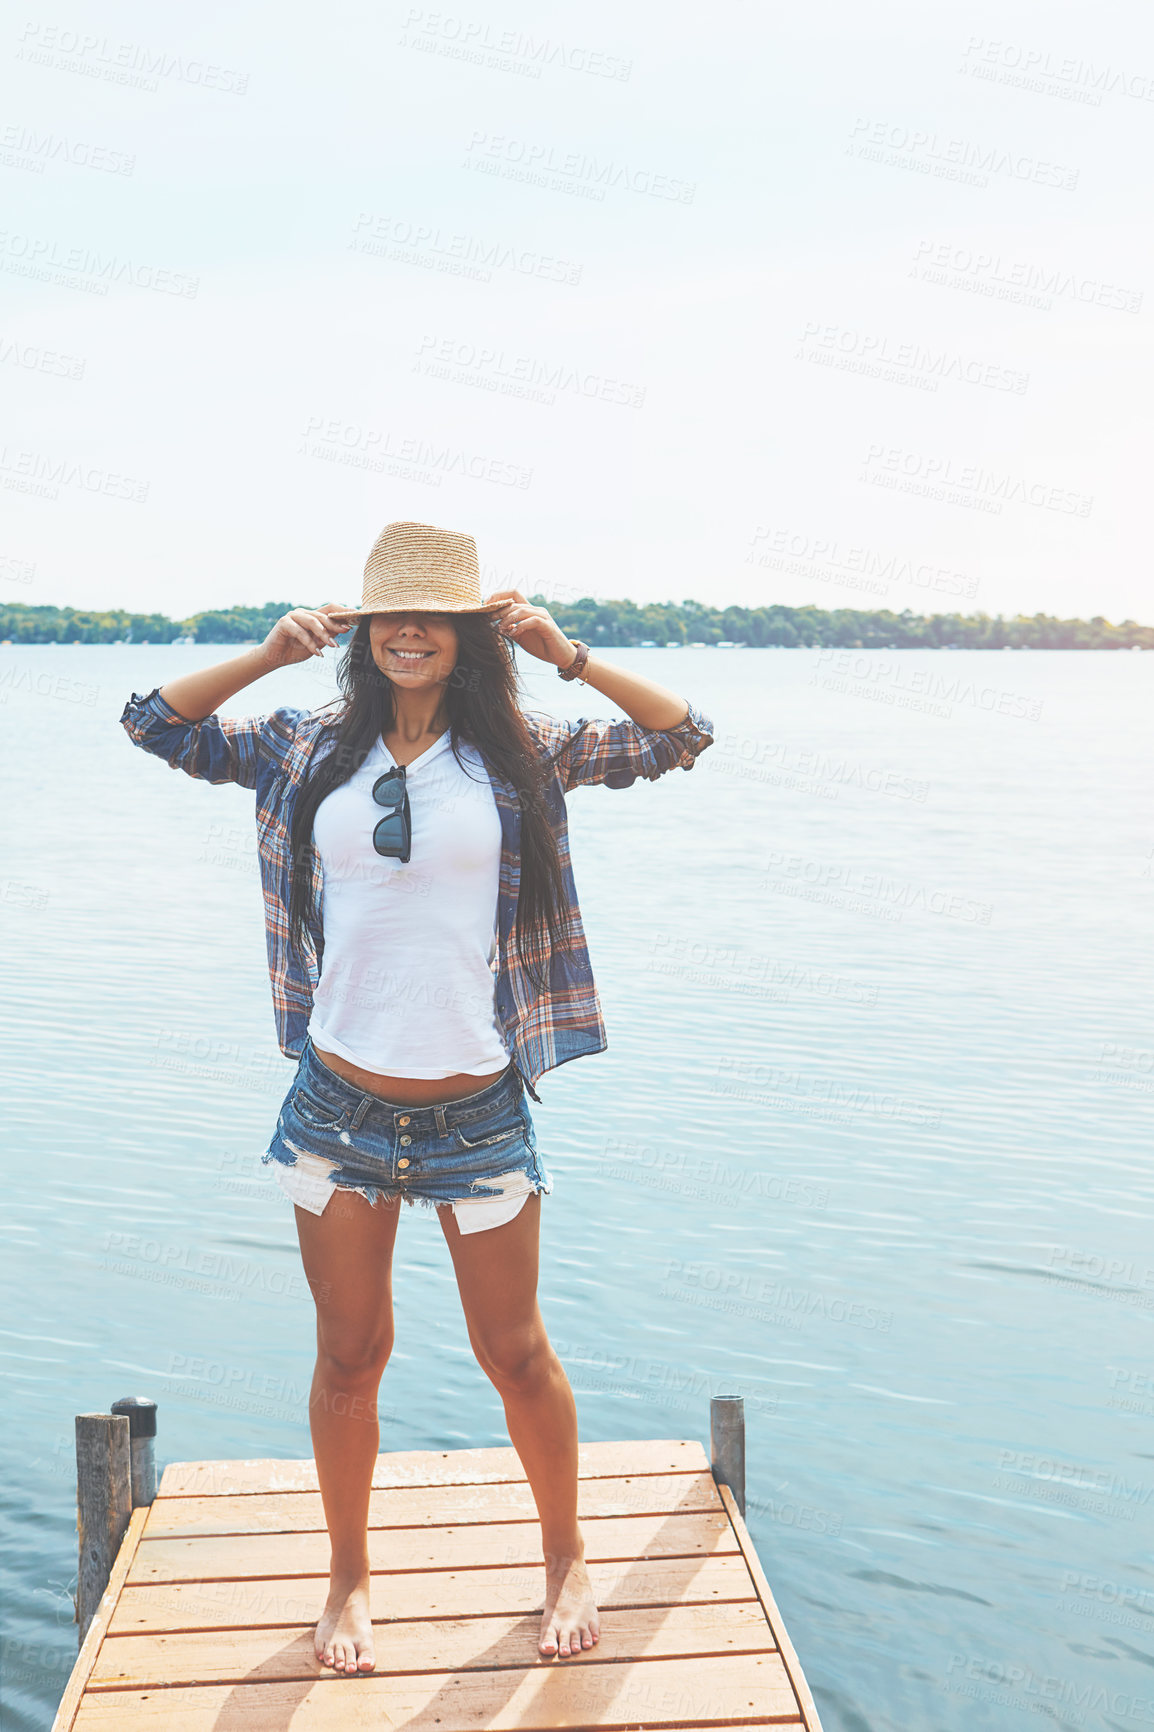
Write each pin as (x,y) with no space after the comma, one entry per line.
(348,1260)
(497,1279)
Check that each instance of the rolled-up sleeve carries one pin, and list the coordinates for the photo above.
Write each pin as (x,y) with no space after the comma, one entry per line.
(589,751)
(217,749)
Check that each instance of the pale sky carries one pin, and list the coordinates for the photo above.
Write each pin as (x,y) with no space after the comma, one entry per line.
(845,306)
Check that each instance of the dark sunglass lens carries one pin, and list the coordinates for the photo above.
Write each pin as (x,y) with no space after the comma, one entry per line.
(390,833)
(389,789)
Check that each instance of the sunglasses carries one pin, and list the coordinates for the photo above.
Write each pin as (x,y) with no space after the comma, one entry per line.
(393,835)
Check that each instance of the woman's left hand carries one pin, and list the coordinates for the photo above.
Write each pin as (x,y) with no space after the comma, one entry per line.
(533,629)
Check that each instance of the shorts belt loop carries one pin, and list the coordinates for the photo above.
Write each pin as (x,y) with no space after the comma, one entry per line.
(439,1112)
(363,1106)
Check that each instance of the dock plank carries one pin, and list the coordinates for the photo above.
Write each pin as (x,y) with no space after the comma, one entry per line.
(93,1643)
(431,1467)
(221,1557)
(225,1605)
(773,1617)
(438,1645)
(707,1692)
(430,1506)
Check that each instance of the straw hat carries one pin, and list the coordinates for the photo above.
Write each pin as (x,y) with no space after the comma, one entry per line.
(414,567)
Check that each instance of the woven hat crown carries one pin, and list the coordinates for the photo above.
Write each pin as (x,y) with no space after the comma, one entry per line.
(420,567)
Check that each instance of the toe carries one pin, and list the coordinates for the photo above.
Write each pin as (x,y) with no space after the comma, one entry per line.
(548,1642)
(366,1660)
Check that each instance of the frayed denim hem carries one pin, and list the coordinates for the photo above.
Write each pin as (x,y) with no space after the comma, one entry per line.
(371,1193)
(540,1181)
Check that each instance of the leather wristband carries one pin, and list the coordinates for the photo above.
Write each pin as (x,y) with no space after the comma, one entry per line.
(576,668)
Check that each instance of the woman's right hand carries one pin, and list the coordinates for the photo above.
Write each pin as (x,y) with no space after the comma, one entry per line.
(303,633)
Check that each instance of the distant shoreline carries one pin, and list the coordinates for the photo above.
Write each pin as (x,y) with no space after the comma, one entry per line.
(251,643)
(623,624)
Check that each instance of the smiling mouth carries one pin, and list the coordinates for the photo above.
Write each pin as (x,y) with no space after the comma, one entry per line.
(410,655)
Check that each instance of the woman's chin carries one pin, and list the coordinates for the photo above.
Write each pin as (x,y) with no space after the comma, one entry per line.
(412,679)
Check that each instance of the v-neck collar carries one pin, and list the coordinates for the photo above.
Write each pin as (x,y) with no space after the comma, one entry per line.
(422,757)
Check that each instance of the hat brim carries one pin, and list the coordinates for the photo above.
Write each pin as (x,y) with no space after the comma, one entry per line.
(351,613)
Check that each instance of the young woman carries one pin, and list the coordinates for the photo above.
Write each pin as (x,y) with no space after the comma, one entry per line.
(428,965)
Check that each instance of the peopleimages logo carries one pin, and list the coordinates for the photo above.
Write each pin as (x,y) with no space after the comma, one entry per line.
(877,355)
(506,50)
(33,359)
(938,476)
(539,161)
(382,449)
(24,147)
(37,473)
(492,368)
(80,267)
(952,266)
(472,256)
(1013,1684)
(851,566)
(1040,69)
(962,159)
(860,673)
(131,63)
(900,895)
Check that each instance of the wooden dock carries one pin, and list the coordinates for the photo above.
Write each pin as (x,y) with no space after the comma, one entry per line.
(208,1616)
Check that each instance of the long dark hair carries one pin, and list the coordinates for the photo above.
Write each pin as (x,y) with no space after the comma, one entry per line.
(482,707)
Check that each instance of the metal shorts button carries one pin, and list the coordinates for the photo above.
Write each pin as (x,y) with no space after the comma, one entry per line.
(404,1161)
(403,1121)
(406,1140)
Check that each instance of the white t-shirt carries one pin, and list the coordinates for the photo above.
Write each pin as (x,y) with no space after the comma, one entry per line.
(408,973)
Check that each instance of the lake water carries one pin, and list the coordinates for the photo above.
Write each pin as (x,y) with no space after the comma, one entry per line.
(870,1147)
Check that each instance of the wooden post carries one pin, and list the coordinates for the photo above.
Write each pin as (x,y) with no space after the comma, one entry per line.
(103,1504)
(727,1444)
(140,1413)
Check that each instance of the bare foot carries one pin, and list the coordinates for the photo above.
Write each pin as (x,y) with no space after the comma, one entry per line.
(344,1636)
(570,1622)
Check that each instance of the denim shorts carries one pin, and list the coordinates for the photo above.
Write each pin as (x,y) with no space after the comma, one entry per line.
(477,1155)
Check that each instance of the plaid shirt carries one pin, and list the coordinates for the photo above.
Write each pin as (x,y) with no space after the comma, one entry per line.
(270,754)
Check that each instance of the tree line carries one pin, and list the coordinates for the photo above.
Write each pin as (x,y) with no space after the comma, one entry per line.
(621,624)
